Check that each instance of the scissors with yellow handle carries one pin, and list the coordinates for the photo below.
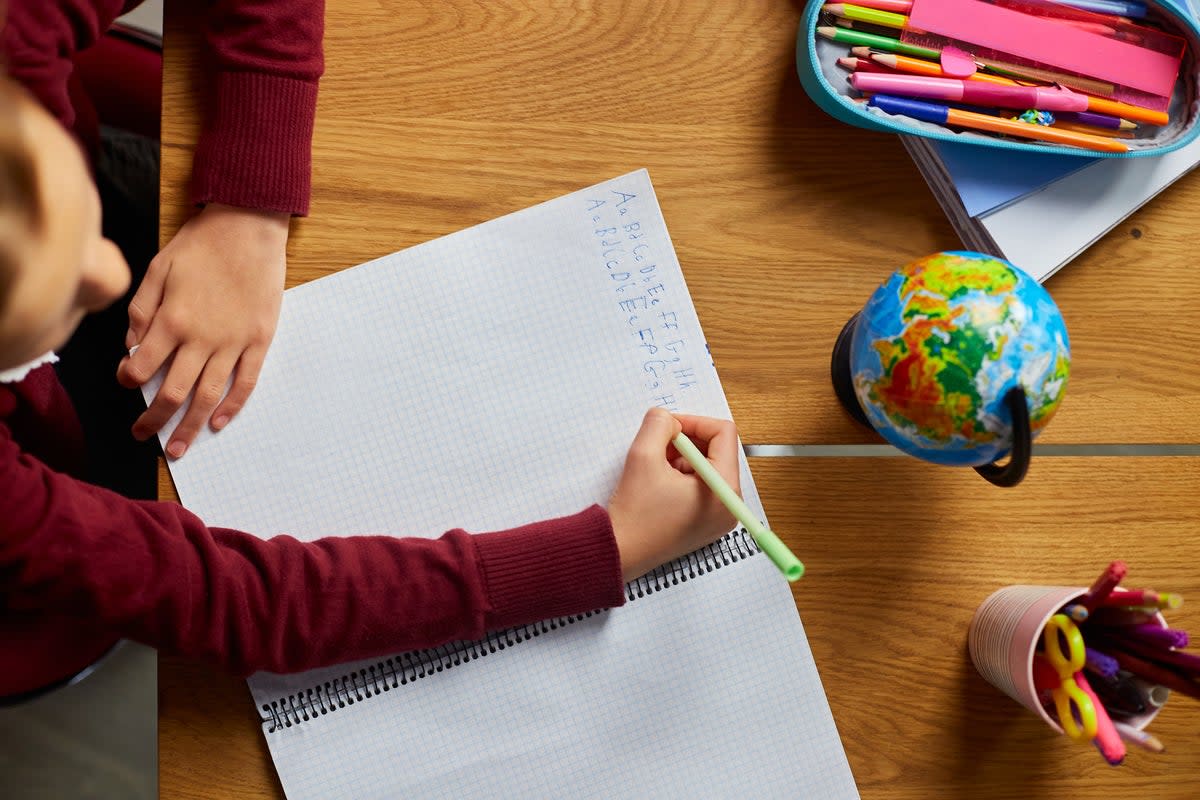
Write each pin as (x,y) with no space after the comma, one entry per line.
(1076,713)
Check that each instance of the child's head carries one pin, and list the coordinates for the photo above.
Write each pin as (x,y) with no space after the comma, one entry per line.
(55,266)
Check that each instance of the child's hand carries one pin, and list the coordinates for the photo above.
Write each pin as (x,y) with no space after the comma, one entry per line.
(211,299)
(661,509)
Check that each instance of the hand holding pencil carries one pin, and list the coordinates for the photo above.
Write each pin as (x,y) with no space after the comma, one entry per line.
(674,497)
(661,509)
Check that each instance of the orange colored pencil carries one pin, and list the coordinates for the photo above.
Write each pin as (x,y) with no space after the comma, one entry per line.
(1115,108)
(919,66)
(1094,130)
(1045,133)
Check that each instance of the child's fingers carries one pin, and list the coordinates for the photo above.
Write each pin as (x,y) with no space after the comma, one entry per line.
(158,345)
(146,301)
(181,377)
(245,377)
(208,391)
(718,439)
(657,430)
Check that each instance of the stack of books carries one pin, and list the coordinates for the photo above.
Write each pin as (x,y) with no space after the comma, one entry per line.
(1037,210)
(1040,211)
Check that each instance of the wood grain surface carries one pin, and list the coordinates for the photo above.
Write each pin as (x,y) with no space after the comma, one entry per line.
(435,116)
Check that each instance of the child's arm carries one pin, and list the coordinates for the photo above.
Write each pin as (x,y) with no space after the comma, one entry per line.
(210,300)
(40,38)
(264,61)
(153,572)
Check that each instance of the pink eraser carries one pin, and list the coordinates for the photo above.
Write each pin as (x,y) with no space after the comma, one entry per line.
(957,63)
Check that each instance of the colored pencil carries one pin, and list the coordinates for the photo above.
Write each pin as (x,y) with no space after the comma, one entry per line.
(918,66)
(855,64)
(889,18)
(1096,120)
(1115,108)
(944,115)
(873,16)
(1091,86)
(1116,8)
(1143,598)
(1138,737)
(1093,130)
(895,6)
(862,38)
(764,537)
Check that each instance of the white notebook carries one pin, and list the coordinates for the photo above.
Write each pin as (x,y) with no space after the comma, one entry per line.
(486,379)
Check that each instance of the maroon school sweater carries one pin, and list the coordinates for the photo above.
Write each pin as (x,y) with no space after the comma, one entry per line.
(81,567)
(264,59)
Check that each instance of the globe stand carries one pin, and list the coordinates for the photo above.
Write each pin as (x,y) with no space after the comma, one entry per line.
(843,380)
(1009,474)
(1014,471)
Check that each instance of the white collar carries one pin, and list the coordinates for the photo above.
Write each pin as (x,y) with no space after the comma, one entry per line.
(17,374)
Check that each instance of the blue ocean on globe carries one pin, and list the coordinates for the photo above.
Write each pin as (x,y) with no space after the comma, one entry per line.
(938,346)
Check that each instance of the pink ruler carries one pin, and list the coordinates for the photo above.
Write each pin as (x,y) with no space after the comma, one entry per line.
(1048,42)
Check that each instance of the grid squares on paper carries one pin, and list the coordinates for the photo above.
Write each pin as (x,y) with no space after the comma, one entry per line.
(484,380)
(675,695)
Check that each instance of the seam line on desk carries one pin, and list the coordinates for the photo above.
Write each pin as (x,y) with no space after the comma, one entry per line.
(1039,450)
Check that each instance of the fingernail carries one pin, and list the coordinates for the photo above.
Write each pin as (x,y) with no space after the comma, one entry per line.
(129,340)
(176,449)
(220,422)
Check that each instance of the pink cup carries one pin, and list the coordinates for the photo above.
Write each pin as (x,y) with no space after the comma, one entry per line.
(1003,638)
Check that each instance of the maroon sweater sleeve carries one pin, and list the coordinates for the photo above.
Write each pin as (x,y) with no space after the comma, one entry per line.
(264,59)
(42,36)
(153,572)
(256,147)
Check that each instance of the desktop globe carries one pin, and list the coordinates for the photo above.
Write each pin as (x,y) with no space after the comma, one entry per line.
(958,358)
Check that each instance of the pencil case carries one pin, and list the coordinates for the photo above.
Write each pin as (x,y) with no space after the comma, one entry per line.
(826,83)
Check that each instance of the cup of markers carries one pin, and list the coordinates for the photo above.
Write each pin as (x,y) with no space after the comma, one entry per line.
(1095,663)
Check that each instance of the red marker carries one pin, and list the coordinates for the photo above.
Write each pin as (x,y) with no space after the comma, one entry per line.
(1104,585)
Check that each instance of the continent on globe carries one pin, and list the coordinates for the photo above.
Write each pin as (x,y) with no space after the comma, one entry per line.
(939,345)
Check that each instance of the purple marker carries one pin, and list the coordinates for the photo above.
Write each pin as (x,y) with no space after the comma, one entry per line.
(1156,635)
(1099,120)
(1103,665)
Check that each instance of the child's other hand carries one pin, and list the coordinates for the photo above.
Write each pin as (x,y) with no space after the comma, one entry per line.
(211,299)
(661,509)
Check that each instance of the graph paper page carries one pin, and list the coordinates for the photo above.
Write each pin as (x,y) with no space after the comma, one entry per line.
(483,380)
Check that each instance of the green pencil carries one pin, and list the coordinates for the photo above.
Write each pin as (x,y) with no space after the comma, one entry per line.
(853,38)
(766,539)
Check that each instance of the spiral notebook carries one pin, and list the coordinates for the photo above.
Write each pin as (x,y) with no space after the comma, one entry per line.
(482,380)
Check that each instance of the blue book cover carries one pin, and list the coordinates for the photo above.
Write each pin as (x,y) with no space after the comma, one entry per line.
(988,178)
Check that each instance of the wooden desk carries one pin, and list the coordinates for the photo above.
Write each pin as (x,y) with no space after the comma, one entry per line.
(438,115)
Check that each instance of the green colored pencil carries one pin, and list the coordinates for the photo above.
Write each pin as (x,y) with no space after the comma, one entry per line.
(764,537)
(853,38)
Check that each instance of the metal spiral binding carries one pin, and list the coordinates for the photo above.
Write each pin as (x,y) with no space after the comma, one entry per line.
(400,670)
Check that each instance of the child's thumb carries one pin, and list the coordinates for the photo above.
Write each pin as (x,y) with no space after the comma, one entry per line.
(657,431)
